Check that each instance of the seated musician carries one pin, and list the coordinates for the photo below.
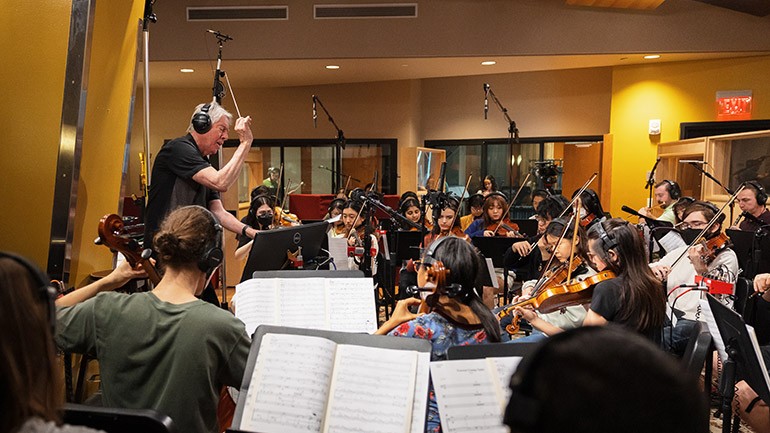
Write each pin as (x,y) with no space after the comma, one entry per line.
(753,203)
(720,264)
(31,387)
(452,313)
(493,215)
(337,229)
(354,216)
(409,207)
(164,350)
(633,298)
(592,210)
(538,196)
(447,222)
(476,206)
(557,241)
(260,217)
(667,193)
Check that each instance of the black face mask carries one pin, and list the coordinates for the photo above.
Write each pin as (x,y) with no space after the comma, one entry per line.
(265,220)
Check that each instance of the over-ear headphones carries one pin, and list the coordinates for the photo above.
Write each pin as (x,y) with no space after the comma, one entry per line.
(437,273)
(46,291)
(496,194)
(607,240)
(673,189)
(201,121)
(760,192)
(213,255)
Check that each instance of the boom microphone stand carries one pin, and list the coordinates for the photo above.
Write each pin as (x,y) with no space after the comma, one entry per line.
(696,165)
(340,135)
(513,131)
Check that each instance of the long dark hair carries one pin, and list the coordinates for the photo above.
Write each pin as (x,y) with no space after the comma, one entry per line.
(448,203)
(556,228)
(642,304)
(463,263)
(491,180)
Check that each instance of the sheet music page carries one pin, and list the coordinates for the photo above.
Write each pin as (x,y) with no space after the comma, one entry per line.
(466,396)
(289,385)
(708,316)
(491,270)
(372,390)
(338,250)
(256,303)
(421,383)
(501,369)
(755,345)
(302,303)
(350,304)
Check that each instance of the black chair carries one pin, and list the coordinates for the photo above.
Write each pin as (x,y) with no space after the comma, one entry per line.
(698,349)
(114,420)
(493,350)
(743,288)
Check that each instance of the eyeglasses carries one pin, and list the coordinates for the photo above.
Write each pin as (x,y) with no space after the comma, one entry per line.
(693,225)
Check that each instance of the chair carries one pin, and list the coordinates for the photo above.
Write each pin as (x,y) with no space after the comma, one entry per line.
(743,288)
(115,420)
(698,348)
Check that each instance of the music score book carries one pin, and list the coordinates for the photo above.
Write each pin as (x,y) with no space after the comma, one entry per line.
(305,380)
(336,304)
(472,393)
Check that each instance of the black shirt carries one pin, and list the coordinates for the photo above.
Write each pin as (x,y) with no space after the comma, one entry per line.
(749,225)
(172,183)
(606,303)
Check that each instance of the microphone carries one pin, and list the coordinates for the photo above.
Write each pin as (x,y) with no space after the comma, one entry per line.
(220,35)
(691,161)
(486,100)
(315,114)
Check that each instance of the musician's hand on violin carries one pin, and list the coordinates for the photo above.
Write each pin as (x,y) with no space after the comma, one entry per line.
(521,248)
(527,313)
(695,254)
(644,211)
(512,234)
(243,128)
(489,233)
(661,272)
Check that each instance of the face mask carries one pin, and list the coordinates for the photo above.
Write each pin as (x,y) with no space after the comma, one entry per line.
(265,220)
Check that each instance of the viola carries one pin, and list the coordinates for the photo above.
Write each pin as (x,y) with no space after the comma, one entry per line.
(113,234)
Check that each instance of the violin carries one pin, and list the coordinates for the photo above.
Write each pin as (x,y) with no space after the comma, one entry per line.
(503,227)
(557,297)
(587,220)
(285,219)
(113,234)
(712,247)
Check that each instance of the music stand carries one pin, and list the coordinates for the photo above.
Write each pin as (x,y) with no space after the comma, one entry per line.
(408,245)
(527,227)
(753,251)
(495,249)
(741,358)
(268,252)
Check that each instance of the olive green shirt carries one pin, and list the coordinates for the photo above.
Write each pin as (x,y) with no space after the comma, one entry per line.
(156,355)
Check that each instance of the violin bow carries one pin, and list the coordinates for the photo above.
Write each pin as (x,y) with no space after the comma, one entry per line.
(708,226)
(371,188)
(578,204)
(542,279)
(513,200)
(278,189)
(465,190)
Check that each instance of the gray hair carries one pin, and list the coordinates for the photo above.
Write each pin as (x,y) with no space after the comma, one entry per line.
(216,112)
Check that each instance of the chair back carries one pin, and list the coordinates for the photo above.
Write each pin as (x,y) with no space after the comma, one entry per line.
(698,348)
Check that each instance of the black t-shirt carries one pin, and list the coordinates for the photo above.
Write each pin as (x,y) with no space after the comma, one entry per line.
(172,183)
(606,303)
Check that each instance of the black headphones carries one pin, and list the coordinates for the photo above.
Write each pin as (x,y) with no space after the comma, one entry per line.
(201,121)
(213,255)
(498,194)
(438,273)
(333,203)
(607,239)
(673,189)
(45,290)
(760,192)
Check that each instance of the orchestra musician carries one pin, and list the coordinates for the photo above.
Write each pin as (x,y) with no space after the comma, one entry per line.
(720,264)
(337,229)
(447,223)
(488,185)
(633,298)
(493,213)
(476,206)
(666,192)
(592,211)
(409,207)
(539,195)
(182,174)
(558,241)
(272,181)
(753,203)
(452,310)
(260,217)
(165,349)
(354,216)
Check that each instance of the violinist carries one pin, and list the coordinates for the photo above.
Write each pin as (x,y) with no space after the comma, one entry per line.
(712,259)
(488,185)
(667,192)
(539,195)
(337,229)
(354,216)
(409,207)
(493,213)
(558,240)
(591,211)
(753,203)
(272,181)
(476,206)
(454,314)
(260,217)
(447,223)
(633,298)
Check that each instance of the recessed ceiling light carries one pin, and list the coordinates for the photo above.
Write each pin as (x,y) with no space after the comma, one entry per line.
(332,67)
(488,63)
(186,70)
(652,56)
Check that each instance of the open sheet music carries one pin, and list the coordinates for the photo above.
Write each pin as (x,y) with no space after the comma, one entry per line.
(337,304)
(307,383)
(472,393)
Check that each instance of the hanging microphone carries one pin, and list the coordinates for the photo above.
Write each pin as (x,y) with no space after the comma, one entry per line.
(691,161)
(486,100)
(315,114)
(220,35)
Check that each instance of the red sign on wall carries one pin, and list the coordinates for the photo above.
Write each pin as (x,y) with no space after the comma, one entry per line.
(734,105)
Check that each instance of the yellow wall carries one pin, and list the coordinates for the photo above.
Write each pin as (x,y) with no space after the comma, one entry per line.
(34,48)
(674,93)
(110,88)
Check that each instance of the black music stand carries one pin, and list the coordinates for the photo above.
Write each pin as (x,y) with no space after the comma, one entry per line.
(118,420)
(492,350)
(495,247)
(527,227)
(407,245)
(752,249)
(742,360)
(268,252)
